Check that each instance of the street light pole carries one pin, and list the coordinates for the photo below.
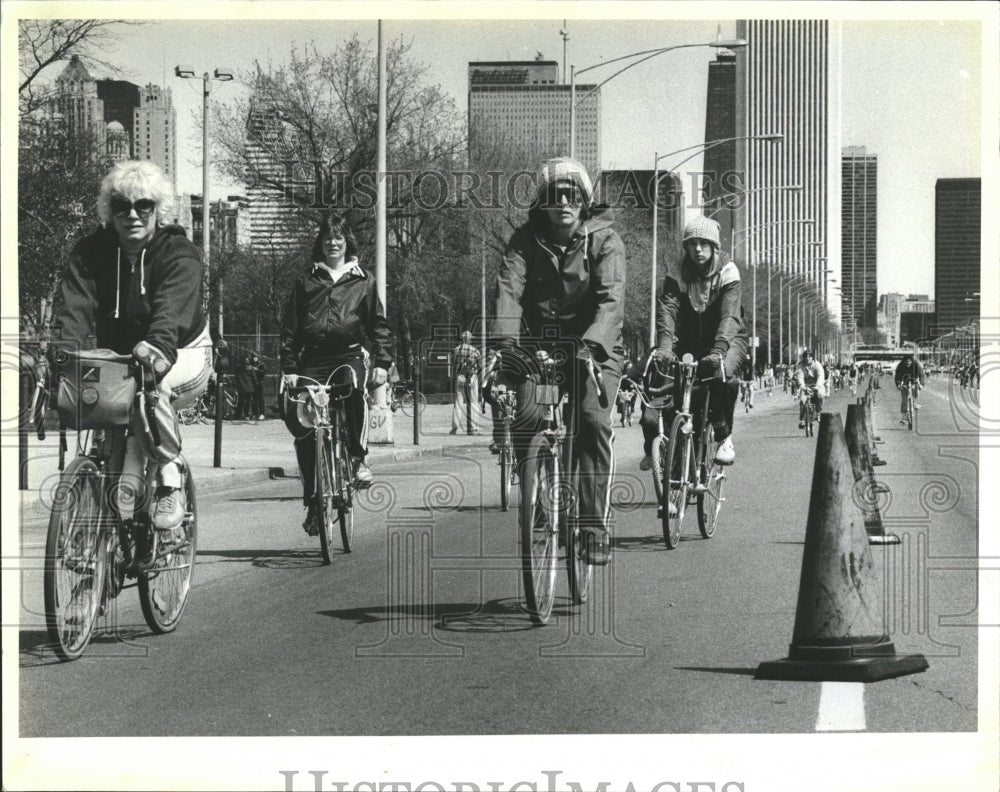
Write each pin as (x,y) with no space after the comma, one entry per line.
(222,75)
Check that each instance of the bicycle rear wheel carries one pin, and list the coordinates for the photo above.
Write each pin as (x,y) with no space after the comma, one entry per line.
(539,524)
(675,483)
(325,511)
(407,400)
(710,501)
(659,456)
(506,469)
(75,560)
(345,506)
(164,587)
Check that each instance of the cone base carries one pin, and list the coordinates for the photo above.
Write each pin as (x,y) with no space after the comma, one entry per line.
(869,663)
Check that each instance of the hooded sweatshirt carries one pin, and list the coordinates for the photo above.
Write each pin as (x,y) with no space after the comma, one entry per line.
(158,299)
(581,290)
(699,313)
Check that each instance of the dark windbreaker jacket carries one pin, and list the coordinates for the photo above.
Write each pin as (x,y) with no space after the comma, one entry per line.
(324,319)
(158,299)
(583,296)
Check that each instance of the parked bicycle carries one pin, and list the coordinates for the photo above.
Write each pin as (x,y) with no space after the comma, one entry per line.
(334,489)
(203,410)
(90,552)
(404,395)
(691,474)
(549,511)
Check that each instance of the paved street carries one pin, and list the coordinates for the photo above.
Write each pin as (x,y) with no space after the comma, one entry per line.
(420,630)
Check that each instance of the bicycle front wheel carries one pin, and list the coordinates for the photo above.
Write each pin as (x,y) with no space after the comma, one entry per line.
(408,399)
(710,500)
(506,469)
(165,586)
(909,413)
(325,511)
(75,560)
(675,483)
(539,519)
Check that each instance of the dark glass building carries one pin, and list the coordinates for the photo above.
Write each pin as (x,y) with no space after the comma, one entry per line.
(957,256)
(859,213)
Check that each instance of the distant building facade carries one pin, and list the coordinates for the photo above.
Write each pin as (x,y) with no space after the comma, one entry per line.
(859,212)
(228,218)
(721,178)
(520,107)
(957,257)
(154,130)
(787,82)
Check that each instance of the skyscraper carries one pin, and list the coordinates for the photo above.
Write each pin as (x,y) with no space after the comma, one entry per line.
(859,172)
(787,82)
(520,108)
(720,161)
(957,235)
(121,100)
(154,130)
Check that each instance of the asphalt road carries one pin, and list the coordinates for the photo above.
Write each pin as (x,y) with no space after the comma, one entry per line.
(420,630)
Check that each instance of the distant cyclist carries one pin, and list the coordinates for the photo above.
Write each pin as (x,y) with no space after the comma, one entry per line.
(747,385)
(908,369)
(811,379)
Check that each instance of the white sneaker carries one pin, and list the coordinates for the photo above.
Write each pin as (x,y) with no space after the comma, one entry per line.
(646,463)
(725,454)
(168,511)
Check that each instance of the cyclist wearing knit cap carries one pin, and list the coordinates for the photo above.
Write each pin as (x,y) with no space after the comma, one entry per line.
(561,289)
(698,311)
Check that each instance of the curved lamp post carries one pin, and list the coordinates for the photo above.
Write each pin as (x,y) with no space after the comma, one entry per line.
(641,57)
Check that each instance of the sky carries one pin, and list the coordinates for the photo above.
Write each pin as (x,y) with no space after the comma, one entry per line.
(911,92)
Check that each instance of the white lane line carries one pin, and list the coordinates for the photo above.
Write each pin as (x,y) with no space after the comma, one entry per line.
(841,707)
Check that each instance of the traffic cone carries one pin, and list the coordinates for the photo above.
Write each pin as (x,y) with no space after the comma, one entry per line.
(837,635)
(865,486)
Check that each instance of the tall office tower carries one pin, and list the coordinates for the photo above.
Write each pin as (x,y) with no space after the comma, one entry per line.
(121,99)
(957,258)
(519,109)
(276,226)
(721,178)
(859,176)
(788,82)
(154,130)
(76,101)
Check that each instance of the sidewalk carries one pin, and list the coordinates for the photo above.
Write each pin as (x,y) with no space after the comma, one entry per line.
(252,451)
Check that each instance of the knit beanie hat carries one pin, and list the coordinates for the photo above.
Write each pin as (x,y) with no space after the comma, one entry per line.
(701,227)
(564,169)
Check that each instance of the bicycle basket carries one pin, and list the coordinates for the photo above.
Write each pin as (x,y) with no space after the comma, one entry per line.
(94,392)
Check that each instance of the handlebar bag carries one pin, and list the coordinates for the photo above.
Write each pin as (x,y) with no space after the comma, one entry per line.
(94,391)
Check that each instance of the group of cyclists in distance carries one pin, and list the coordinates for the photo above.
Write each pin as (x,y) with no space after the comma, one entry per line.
(134,286)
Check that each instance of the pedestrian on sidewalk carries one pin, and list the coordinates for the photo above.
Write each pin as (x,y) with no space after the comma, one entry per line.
(246,382)
(333,319)
(259,375)
(466,367)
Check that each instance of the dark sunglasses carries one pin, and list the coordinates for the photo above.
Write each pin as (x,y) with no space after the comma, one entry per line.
(554,196)
(122,207)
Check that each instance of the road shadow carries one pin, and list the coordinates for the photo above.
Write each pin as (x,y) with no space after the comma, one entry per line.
(274,499)
(108,640)
(265,559)
(719,670)
(496,616)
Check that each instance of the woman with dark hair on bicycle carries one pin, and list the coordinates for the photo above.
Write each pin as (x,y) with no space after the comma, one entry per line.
(334,317)
(561,285)
(698,312)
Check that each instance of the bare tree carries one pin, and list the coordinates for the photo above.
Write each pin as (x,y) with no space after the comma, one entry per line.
(43,42)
